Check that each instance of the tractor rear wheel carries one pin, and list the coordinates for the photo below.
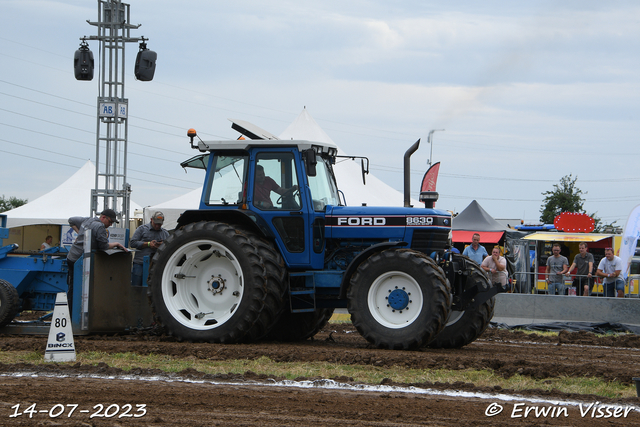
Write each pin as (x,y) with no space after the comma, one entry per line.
(465,326)
(299,326)
(211,281)
(9,303)
(399,299)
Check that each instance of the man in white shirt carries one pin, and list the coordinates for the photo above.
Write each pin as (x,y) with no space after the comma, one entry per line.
(609,268)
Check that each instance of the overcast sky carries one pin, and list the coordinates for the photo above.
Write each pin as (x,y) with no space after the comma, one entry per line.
(527,92)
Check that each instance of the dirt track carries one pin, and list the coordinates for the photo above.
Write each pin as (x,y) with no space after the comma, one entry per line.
(245,402)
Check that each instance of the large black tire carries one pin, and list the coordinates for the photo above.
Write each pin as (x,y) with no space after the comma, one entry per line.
(299,326)
(465,326)
(211,281)
(9,303)
(275,300)
(399,299)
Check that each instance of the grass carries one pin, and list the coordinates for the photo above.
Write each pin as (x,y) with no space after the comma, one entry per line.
(359,373)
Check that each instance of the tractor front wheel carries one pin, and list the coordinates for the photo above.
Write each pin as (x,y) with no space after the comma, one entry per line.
(465,326)
(399,299)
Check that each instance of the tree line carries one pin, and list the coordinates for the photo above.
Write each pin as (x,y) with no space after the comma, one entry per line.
(6,204)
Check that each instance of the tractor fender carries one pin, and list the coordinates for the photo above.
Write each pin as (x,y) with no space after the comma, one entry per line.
(242,217)
(351,269)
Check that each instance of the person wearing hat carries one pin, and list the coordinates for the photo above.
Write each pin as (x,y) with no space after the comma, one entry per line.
(146,240)
(99,240)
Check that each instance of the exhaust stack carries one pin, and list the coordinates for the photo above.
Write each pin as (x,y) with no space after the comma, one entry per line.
(407,173)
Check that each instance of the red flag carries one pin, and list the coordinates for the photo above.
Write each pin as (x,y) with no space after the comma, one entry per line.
(430,179)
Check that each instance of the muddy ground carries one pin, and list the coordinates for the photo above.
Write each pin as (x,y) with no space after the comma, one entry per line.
(236,400)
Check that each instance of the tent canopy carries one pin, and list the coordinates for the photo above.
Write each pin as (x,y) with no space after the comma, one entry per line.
(348,172)
(474,219)
(485,236)
(172,209)
(71,198)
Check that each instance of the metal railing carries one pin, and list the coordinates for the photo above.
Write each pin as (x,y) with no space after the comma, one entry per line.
(536,283)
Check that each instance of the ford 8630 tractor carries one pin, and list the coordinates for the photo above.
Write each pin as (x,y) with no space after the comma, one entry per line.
(273,264)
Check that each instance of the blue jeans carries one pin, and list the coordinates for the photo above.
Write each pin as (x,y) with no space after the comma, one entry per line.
(553,286)
(611,288)
(136,275)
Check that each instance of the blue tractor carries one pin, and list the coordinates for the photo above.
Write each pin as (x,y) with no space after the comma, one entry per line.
(273,250)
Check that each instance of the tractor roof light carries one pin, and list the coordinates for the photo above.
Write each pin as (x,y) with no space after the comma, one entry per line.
(192,134)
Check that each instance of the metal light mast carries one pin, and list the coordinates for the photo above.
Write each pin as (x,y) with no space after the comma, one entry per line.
(111,187)
(430,142)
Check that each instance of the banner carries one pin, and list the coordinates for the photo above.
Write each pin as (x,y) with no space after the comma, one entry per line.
(430,179)
(629,239)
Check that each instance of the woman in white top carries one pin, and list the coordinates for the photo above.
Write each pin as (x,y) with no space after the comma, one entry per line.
(47,243)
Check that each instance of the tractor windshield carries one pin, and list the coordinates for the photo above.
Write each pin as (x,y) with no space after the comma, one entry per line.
(323,186)
(226,180)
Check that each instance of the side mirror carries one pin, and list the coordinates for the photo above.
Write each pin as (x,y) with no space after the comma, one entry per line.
(310,161)
(365,169)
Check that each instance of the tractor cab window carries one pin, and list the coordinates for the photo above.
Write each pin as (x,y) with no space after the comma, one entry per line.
(276,182)
(323,186)
(226,180)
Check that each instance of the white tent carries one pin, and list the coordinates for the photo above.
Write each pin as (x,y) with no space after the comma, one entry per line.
(71,198)
(348,174)
(174,207)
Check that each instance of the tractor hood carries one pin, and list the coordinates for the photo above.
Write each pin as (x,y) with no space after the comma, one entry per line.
(372,222)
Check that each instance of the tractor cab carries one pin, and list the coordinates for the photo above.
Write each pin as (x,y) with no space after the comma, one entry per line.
(284,187)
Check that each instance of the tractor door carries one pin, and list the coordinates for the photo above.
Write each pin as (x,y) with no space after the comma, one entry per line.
(278,195)
(323,192)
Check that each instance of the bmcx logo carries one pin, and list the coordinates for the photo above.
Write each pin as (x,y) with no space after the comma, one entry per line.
(60,336)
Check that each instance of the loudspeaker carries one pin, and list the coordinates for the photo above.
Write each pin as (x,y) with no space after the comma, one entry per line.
(145,65)
(83,63)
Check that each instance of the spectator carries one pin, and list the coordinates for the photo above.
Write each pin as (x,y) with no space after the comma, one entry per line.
(609,268)
(496,266)
(99,240)
(556,268)
(147,239)
(475,250)
(583,281)
(47,243)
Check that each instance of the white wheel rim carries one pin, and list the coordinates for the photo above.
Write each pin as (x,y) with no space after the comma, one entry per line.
(395,314)
(189,283)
